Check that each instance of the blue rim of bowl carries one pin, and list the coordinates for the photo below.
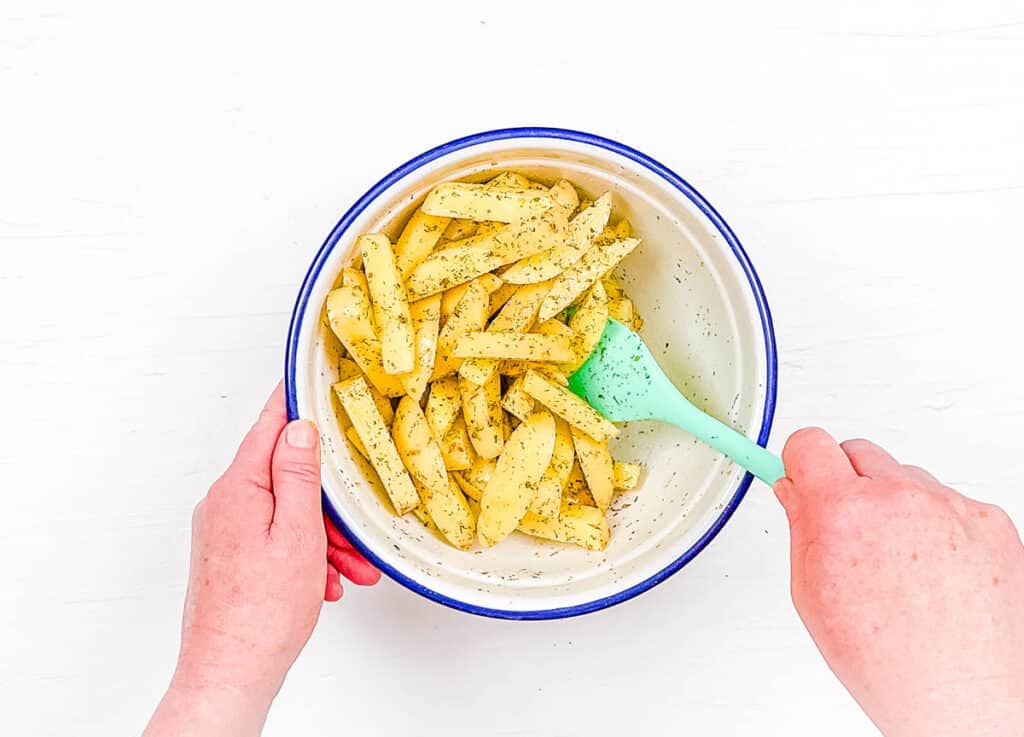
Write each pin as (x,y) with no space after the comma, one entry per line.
(680,184)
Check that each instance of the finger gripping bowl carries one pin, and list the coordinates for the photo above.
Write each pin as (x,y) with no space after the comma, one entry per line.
(706,322)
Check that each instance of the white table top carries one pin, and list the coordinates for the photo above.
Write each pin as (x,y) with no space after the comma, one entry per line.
(167,176)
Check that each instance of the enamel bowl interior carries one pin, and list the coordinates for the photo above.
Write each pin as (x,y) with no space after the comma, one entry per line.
(703,321)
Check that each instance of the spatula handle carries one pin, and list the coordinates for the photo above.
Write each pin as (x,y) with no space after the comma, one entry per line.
(762,463)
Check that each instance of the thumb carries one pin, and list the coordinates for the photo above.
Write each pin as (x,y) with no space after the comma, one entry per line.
(295,471)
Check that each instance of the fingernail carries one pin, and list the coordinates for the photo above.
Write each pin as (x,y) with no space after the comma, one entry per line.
(301,434)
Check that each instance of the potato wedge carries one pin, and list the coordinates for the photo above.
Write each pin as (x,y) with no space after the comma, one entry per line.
(621,309)
(588,325)
(579,235)
(387,413)
(548,498)
(481,409)
(422,457)
(419,237)
(347,369)
(565,196)
(550,371)
(457,230)
(470,491)
(479,474)
(352,276)
(470,315)
(523,346)
(612,287)
(381,452)
(512,486)
(626,476)
(480,202)
(487,227)
(452,297)
(568,406)
(421,514)
(596,461)
(517,315)
(390,305)
(576,490)
(592,265)
(623,229)
(456,449)
(353,437)
(426,322)
(444,403)
(509,180)
(517,402)
(575,525)
(469,258)
(500,297)
(350,315)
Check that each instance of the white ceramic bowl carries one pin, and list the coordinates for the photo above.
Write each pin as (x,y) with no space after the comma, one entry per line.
(705,319)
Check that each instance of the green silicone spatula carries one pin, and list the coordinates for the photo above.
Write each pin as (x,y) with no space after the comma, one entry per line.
(623,382)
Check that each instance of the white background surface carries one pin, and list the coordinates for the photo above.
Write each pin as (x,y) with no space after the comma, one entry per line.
(168,173)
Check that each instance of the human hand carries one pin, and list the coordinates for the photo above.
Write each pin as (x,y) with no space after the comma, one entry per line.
(260,569)
(913,593)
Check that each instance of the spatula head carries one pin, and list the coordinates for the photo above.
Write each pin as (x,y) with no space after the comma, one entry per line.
(620,379)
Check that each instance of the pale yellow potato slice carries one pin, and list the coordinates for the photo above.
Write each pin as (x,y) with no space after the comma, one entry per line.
(479,474)
(621,309)
(419,237)
(596,461)
(509,180)
(426,322)
(421,514)
(458,229)
(592,265)
(471,257)
(481,410)
(512,486)
(480,202)
(351,318)
(383,403)
(568,406)
(517,402)
(487,227)
(576,491)
(390,305)
(579,235)
(565,196)
(612,287)
(547,370)
(422,457)
(352,276)
(522,346)
(516,316)
(587,325)
(376,440)
(576,525)
(444,403)
(500,297)
(347,369)
(548,499)
(626,476)
(353,437)
(623,229)
(470,315)
(467,488)
(456,448)
(452,297)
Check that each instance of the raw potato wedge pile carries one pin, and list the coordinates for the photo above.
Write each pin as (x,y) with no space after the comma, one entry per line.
(459,338)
